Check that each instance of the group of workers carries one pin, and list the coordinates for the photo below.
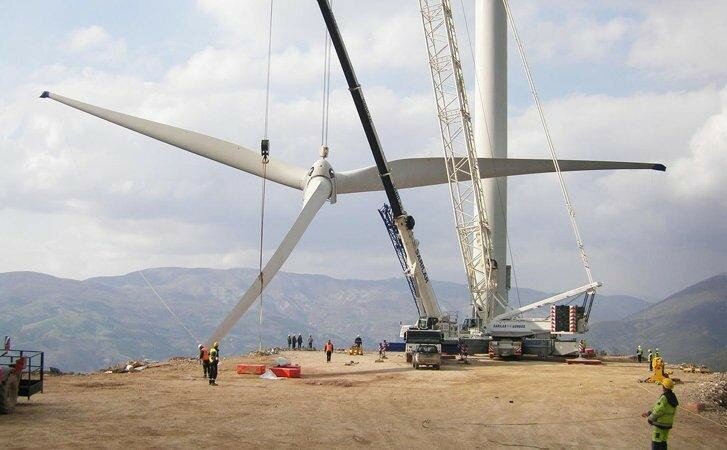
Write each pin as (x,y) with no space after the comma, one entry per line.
(294,340)
(650,356)
(210,361)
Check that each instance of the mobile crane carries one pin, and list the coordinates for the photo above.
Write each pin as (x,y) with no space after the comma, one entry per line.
(492,324)
(432,324)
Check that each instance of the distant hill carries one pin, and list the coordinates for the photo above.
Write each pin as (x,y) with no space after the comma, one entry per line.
(688,326)
(86,325)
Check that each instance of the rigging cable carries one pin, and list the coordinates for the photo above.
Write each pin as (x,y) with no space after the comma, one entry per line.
(167,306)
(551,147)
(264,153)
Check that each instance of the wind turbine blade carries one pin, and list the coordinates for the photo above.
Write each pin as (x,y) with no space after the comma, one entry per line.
(215,149)
(416,172)
(319,189)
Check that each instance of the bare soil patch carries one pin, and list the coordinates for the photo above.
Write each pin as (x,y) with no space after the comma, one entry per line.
(486,404)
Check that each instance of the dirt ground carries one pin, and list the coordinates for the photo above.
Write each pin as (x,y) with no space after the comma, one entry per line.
(486,404)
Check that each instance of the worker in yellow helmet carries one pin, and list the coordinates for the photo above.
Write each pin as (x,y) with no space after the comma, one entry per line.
(661,416)
(214,362)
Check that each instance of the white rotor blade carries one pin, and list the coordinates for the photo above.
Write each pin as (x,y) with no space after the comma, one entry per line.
(416,172)
(319,189)
(215,149)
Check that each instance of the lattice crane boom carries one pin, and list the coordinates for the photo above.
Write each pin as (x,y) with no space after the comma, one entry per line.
(473,230)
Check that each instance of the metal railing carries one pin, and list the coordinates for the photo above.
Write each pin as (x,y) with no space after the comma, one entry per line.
(31,377)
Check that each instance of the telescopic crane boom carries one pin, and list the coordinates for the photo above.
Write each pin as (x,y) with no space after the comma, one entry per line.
(404,222)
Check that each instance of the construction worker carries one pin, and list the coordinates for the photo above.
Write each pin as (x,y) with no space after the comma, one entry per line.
(290,340)
(656,353)
(328,348)
(358,341)
(204,357)
(639,353)
(463,352)
(300,341)
(214,362)
(661,416)
(310,342)
(651,359)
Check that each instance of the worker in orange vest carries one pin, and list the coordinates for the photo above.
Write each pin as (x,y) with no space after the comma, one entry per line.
(328,348)
(204,357)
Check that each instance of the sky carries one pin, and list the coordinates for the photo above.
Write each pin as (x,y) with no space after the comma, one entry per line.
(619,80)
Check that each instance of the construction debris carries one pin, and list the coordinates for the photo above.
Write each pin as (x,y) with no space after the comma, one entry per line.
(693,368)
(265,352)
(138,366)
(712,392)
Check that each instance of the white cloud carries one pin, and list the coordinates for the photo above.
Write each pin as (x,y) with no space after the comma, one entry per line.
(95,43)
(86,38)
(635,224)
(682,40)
(81,197)
(393,41)
(579,38)
(702,175)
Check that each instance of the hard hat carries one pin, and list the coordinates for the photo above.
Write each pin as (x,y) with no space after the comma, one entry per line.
(657,349)
(199,346)
(668,383)
(649,349)
(216,344)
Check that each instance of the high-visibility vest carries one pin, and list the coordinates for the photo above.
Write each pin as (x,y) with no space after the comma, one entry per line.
(205,354)
(213,355)
(662,414)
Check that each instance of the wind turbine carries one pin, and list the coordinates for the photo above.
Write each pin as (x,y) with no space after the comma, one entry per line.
(320,183)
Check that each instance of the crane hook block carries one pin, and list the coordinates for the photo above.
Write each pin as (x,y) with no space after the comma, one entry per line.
(265,149)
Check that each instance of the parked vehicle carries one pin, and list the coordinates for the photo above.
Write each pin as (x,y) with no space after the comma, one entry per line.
(427,355)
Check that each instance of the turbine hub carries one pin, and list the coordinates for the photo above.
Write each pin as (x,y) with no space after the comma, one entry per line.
(322,168)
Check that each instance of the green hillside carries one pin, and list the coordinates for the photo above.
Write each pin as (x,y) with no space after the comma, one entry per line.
(688,326)
(95,323)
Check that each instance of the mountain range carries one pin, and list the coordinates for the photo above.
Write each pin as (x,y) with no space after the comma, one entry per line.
(688,326)
(97,322)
